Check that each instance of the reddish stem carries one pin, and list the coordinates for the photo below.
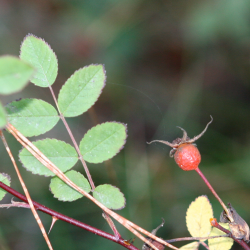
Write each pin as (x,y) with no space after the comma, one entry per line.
(214,193)
(67,219)
(214,223)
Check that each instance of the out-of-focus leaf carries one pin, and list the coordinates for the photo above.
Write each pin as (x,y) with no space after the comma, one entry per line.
(14,74)
(4,178)
(3,117)
(191,246)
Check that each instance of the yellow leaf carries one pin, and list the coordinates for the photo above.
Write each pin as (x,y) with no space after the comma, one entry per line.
(191,246)
(222,243)
(198,215)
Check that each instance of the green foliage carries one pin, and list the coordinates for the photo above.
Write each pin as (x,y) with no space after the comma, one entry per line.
(38,53)
(103,141)
(14,74)
(63,155)
(4,178)
(81,90)
(222,243)
(63,192)
(228,19)
(3,116)
(32,117)
(109,196)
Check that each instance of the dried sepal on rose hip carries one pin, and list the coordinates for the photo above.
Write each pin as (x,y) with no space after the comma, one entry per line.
(184,151)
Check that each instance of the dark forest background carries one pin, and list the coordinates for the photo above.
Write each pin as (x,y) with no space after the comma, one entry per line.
(168,63)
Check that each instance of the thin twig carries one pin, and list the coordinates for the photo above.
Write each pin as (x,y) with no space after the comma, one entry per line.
(39,222)
(204,244)
(52,167)
(62,217)
(215,194)
(196,238)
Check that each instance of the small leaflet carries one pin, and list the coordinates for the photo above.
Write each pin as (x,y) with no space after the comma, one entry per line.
(32,117)
(103,142)
(110,196)
(62,154)
(197,218)
(191,246)
(81,90)
(222,243)
(39,54)
(63,192)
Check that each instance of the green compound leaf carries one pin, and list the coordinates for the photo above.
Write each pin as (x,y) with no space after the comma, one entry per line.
(109,196)
(81,90)
(14,74)
(63,192)
(4,178)
(60,153)
(198,215)
(39,54)
(103,141)
(222,243)
(191,246)
(32,117)
(3,117)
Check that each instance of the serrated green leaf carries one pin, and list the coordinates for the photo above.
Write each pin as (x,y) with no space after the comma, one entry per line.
(3,116)
(14,74)
(32,117)
(4,178)
(222,243)
(103,141)
(60,153)
(191,246)
(109,196)
(63,192)
(81,90)
(198,215)
(39,54)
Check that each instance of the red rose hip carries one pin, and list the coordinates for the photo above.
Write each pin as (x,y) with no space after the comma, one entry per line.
(185,153)
(187,157)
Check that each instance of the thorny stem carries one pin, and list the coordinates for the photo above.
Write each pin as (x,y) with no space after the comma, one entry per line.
(63,217)
(214,223)
(135,229)
(215,194)
(110,222)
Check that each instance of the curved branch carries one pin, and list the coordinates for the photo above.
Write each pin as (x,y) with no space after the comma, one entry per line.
(67,219)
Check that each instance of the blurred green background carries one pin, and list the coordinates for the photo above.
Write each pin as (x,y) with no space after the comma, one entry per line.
(168,63)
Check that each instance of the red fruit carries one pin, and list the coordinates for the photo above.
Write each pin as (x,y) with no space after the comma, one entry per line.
(187,157)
